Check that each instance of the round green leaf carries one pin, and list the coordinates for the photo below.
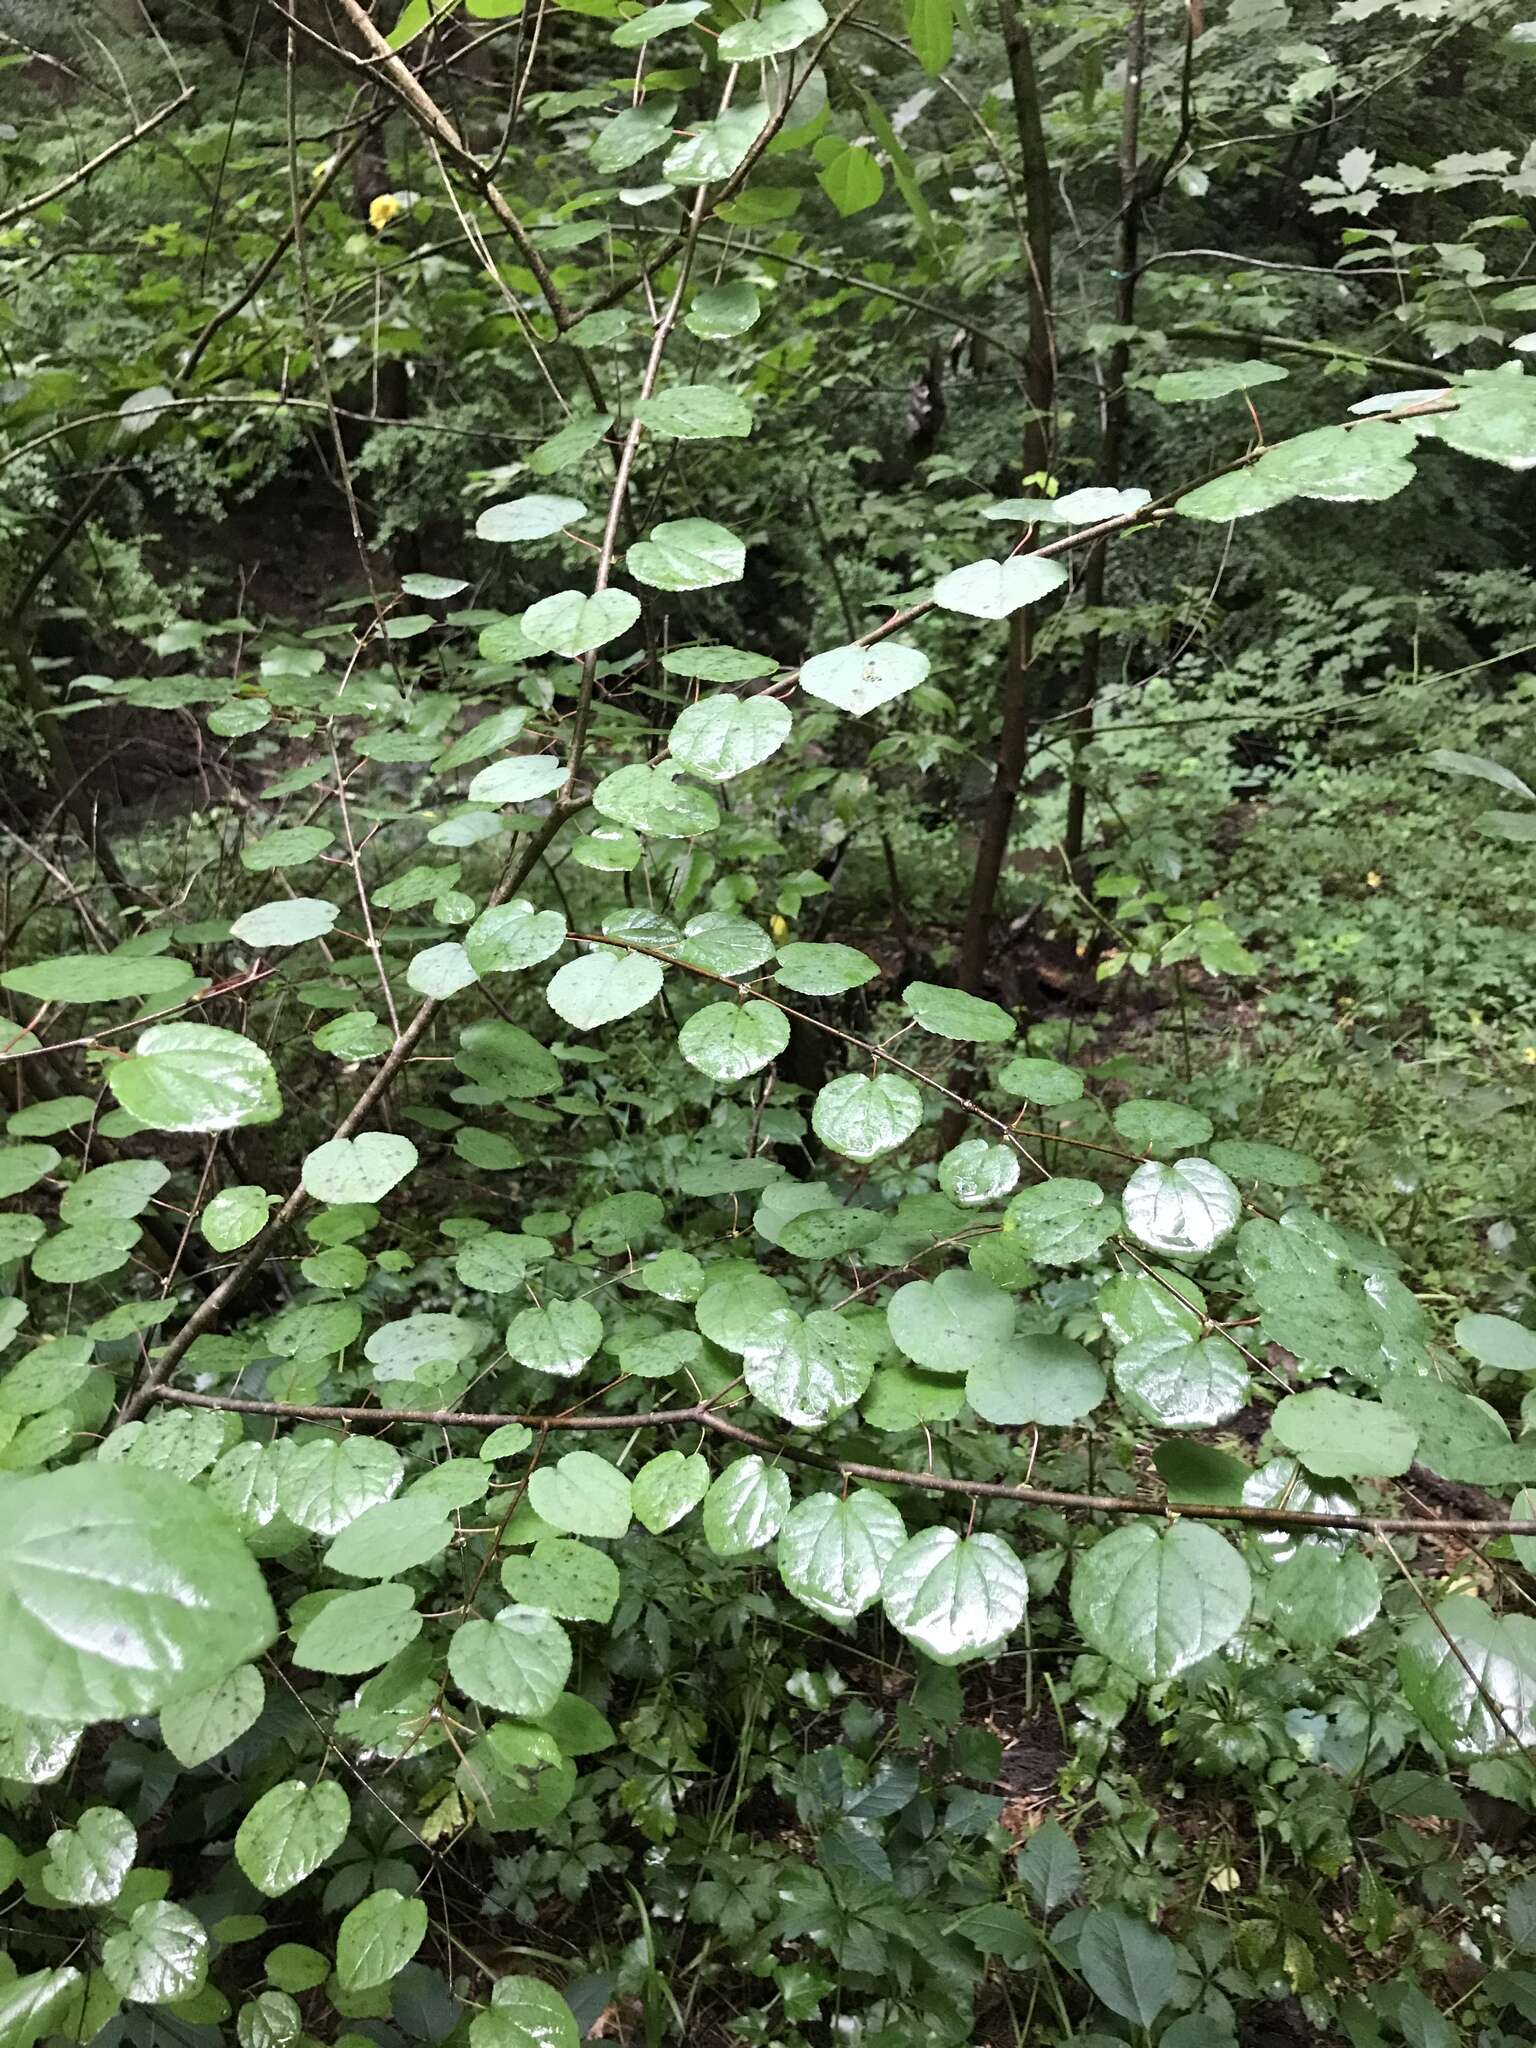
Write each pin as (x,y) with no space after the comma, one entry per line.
(856,679)
(287,922)
(393,1537)
(995,590)
(1046,1380)
(977,1172)
(121,1589)
(1156,1601)
(1179,1382)
(1062,1222)
(519,779)
(704,412)
(1047,1082)
(1161,1126)
(1184,1209)
(823,970)
(773,33)
(325,1484)
(745,1507)
(289,846)
(570,1580)
(1471,1677)
(290,1832)
(358,1631)
(1339,1437)
(864,1115)
(833,1553)
(558,1338)
(573,623)
(98,977)
(377,1939)
(361,1169)
(196,1077)
(668,1488)
(722,310)
(602,986)
(88,1862)
(159,1957)
(1498,1342)
(953,1322)
(721,737)
(517,1663)
(513,936)
(582,1495)
(955,1597)
(652,800)
(808,1370)
(1318,1596)
(729,1041)
(951,1013)
(687,554)
(201,1725)
(531,518)
(525,2012)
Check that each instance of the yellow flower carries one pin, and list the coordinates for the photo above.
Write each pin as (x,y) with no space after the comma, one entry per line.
(1529,1055)
(1372,880)
(779,928)
(383,210)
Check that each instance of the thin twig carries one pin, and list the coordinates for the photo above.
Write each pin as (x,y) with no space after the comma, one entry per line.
(702,1416)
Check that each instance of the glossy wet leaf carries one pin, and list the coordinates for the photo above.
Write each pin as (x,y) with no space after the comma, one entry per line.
(196,1077)
(159,1957)
(1317,1597)
(806,1371)
(955,1597)
(1062,1222)
(1470,1677)
(88,1862)
(1184,1209)
(833,1552)
(865,1115)
(525,2012)
(121,1589)
(745,1507)
(722,737)
(729,1041)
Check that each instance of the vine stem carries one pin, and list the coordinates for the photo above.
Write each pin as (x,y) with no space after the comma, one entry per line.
(702,1416)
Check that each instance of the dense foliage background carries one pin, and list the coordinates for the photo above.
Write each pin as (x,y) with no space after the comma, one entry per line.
(770,1023)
